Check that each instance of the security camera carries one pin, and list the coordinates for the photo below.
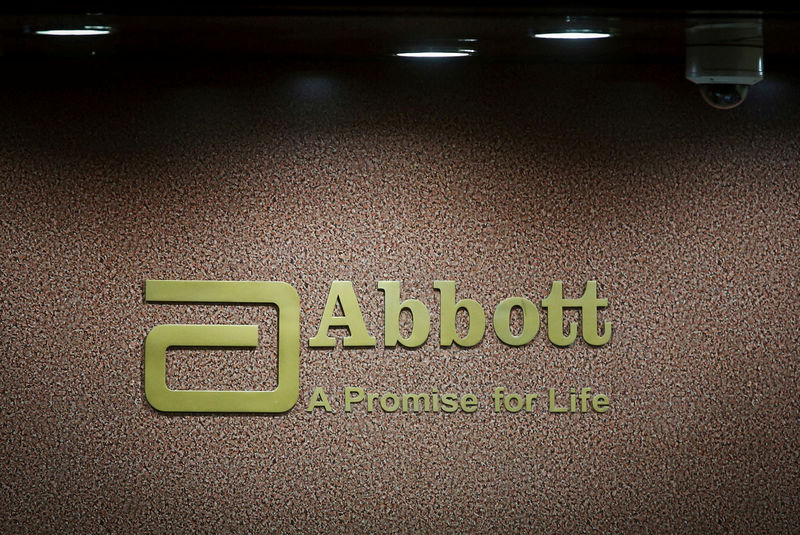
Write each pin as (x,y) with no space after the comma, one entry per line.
(724,59)
(724,96)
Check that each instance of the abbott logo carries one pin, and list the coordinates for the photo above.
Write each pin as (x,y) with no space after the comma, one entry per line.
(162,337)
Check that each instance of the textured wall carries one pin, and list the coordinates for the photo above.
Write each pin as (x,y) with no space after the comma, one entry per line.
(502,177)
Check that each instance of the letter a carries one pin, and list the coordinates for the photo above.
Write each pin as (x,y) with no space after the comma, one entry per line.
(342,291)
(319,401)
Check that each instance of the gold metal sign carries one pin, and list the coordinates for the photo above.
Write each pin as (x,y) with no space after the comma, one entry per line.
(285,298)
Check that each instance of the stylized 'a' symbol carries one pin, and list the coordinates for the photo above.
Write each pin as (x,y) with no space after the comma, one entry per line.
(161,337)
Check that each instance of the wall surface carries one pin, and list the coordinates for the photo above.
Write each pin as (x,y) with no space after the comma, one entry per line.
(502,177)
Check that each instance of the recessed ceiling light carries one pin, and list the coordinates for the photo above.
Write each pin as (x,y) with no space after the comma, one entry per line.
(572,35)
(87,30)
(435,54)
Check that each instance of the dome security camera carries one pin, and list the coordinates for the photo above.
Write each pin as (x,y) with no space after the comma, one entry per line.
(724,60)
(724,96)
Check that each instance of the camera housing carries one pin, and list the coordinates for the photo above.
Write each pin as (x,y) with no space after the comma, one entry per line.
(724,59)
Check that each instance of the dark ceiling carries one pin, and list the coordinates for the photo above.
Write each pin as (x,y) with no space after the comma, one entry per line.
(256,30)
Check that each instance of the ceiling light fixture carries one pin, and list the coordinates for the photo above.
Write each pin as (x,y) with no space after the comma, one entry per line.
(573,34)
(77,32)
(436,54)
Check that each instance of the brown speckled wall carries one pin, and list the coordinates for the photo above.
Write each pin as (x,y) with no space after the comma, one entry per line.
(503,177)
